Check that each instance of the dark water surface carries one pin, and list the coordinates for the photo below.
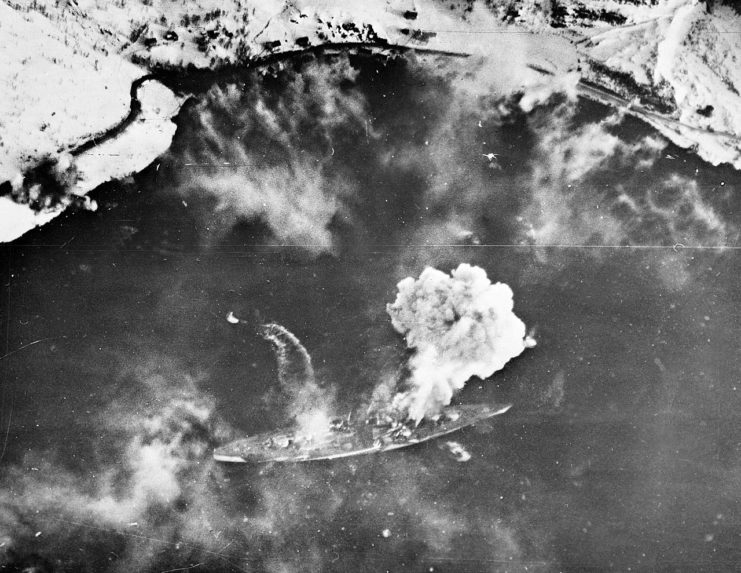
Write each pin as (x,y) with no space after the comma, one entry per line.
(622,450)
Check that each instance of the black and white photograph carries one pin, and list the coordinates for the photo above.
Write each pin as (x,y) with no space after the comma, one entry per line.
(435,286)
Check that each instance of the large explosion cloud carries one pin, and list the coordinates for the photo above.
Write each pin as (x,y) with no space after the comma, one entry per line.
(460,325)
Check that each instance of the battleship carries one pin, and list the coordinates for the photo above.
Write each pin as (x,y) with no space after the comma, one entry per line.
(344,438)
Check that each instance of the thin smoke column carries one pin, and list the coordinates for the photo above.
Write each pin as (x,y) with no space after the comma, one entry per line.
(460,325)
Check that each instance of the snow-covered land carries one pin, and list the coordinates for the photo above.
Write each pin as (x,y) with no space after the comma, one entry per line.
(689,60)
(68,67)
(63,83)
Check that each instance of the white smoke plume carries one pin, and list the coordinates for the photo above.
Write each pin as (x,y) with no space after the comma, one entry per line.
(574,203)
(151,498)
(151,476)
(460,325)
(250,154)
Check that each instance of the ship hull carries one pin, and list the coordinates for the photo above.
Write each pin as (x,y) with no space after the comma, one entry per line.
(362,438)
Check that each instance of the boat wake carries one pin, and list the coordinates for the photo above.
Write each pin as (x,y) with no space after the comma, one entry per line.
(294,362)
(308,403)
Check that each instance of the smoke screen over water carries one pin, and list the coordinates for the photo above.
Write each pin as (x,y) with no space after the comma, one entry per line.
(302,200)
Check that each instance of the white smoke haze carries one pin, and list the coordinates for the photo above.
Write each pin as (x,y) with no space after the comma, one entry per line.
(153,476)
(408,503)
(572,204)
(576,151)
(584,182)
(250,157)
(541,93)
(457,190)
(483,96)
(689,218)
(459,326)
(506,64)
(152,493)
(291,200)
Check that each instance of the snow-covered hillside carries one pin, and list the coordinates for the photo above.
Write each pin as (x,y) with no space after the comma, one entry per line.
(683,61)
(68,69)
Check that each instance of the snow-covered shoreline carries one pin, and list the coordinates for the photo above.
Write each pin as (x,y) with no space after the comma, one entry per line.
(71,66)
(130,151)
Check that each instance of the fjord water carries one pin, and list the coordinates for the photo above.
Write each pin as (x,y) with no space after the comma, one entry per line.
(621,451)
